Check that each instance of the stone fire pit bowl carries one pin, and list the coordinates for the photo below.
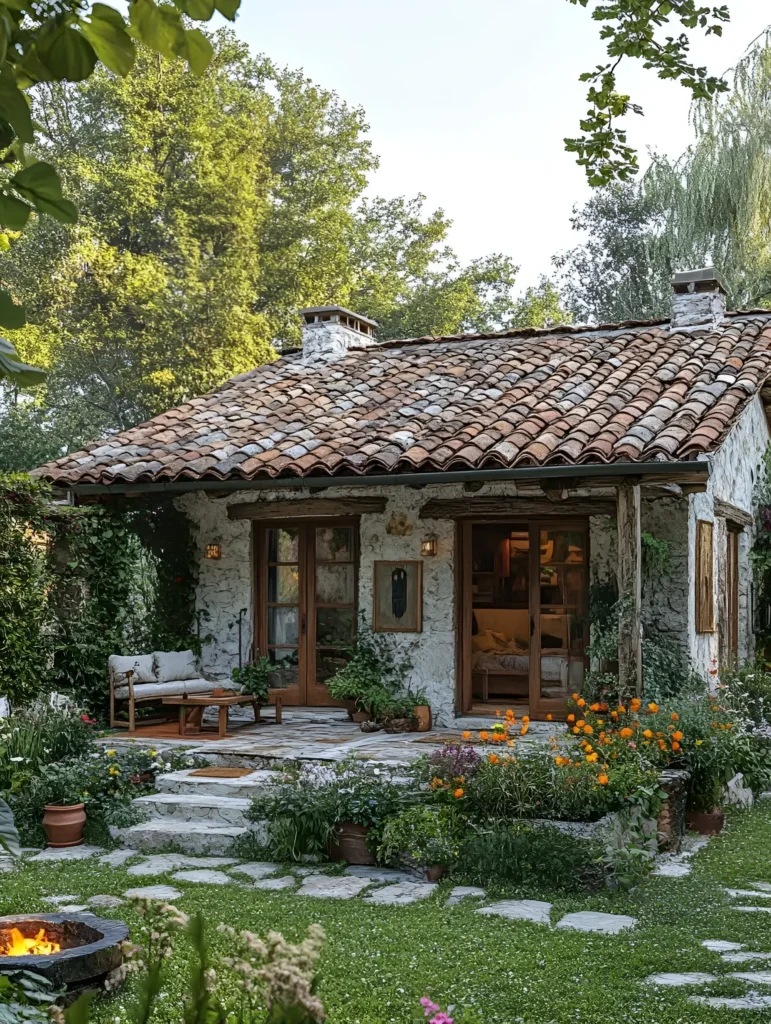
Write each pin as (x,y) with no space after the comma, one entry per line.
(90,948)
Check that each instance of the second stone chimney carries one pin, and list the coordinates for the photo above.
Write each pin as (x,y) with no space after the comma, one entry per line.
(698,298)
(330,331)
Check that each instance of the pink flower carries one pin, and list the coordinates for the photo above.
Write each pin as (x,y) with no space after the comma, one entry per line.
(441,1018)
(632,745)
(429,1007)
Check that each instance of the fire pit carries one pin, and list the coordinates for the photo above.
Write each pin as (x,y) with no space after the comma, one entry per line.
(74,951)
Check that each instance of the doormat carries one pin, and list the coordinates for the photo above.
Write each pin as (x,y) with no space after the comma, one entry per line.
(222,773)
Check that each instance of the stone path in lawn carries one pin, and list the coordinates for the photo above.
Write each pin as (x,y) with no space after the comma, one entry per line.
(730,954)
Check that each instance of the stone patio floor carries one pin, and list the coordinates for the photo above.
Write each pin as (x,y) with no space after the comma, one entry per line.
(319,735)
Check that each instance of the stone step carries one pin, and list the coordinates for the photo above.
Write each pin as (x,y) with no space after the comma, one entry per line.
(216,810)
(247,786)
(194,837)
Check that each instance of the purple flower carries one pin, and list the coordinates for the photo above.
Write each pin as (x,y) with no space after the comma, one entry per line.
(429,1007)
(441,1018)
(450,761)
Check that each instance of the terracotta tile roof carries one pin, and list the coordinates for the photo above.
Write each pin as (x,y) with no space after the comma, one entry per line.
(629,392)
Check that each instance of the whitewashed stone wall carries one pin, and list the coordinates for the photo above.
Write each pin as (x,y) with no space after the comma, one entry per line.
(735,469)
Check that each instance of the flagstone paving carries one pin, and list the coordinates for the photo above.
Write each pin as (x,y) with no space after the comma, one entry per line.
(104,900)
(743,958)
(204,876)
(520,910)
(286,882)
(401,892)
(256,869)
(753,1001)
(593,921)
(153,892)
(676,980)
(721,945)
(161,863)
(462,892)
(335,887)
(54,853)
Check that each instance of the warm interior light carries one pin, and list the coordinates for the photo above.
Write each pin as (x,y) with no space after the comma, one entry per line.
(213,551)
(429,547)
(18,945)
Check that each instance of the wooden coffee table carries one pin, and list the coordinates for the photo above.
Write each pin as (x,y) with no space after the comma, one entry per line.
(192,707)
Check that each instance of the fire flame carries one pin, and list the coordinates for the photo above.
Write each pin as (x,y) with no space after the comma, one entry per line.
(18,945)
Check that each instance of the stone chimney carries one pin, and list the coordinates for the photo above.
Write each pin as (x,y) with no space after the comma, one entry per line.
(698,299)
(330,331)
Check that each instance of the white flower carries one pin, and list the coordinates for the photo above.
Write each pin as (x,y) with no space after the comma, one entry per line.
(16,760)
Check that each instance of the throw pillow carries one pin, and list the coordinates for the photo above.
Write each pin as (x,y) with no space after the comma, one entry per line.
(140,664)
(172,666)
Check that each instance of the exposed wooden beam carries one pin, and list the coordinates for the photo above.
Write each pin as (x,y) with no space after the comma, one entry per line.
(629,591)
(306,508)
(726,510)
(503,506)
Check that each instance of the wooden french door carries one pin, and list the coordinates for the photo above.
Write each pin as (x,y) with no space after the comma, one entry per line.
(305,602)
(523,596)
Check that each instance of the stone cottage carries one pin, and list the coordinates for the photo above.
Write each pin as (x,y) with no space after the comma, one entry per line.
(463,493)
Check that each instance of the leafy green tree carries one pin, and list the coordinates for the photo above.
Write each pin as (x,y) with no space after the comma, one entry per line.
(630,27)
(65,40)
(710,206)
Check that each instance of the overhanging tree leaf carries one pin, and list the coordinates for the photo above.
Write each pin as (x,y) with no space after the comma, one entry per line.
(198,51)
(14,213)
(41,185)
(9,837)
(106,31)
(156,28)
(11,313)
(228,8)
(14,106)
(66,54)
(200,10)
(12,369)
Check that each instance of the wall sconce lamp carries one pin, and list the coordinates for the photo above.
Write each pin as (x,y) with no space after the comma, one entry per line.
(429,546)
(214,551)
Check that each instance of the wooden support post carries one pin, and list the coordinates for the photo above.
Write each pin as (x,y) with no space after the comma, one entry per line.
(629,591)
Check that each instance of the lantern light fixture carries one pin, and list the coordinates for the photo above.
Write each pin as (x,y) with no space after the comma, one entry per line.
(429,546)
(214,551)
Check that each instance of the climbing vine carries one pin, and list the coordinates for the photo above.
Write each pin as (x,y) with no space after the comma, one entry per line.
(761,551)
(80,584)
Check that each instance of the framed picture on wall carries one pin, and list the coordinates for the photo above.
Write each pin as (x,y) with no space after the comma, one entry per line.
(397,600)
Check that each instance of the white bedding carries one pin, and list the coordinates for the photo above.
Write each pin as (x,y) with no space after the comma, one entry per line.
(554,667)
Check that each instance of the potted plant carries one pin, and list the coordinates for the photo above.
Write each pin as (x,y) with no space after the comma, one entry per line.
(423,837)
(373,665)
(255,678)
(364,802)
(62,790)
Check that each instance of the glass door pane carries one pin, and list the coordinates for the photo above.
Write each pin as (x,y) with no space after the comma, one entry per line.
(284,613)
(562,563)
(334,603)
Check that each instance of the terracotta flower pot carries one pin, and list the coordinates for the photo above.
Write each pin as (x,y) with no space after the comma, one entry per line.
(350,844)
(361,716)
(142,778)
(423,717)
(435,871)
(350,707)
(63,824)
(399,724)
(706,823)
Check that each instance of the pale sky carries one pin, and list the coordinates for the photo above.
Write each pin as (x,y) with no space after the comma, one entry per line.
(469,100)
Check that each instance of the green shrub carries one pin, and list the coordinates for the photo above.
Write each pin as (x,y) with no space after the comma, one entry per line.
(536,786)
(39,735)
(746,689)
(256,678)
(523,854)
(423,836)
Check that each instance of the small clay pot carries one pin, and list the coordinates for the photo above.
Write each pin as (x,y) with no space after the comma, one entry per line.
(63,824)
(435,871)
(350,707)
(361,716)
(706,823)
(423,717)
(350,844)
(399,724)
(141,779)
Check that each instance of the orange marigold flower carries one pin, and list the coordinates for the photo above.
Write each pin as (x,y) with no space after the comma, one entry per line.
(662,745)
(659,734)
(581,702)
(575,696)
(493,759)
(509,743)
(594,707)
(484,735)
(675,717)
(602,779)
(458,793)
(621,709)
(497,714)
(626,733)
(591,758)
(466,735)
(677,735)
(523,730)
(675,745)
(653,707)
(580,723)
(575,730)
(571,718)
(648,734)
(588,730)
(635,704)
(550,717)
(614,714)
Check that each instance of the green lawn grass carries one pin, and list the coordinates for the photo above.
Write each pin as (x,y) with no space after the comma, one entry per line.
(379,961)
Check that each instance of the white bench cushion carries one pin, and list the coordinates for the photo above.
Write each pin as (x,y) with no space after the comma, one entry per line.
(171,665)
(140,664)
(173,688)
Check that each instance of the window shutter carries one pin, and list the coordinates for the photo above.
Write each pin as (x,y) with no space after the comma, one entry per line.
(705,591)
